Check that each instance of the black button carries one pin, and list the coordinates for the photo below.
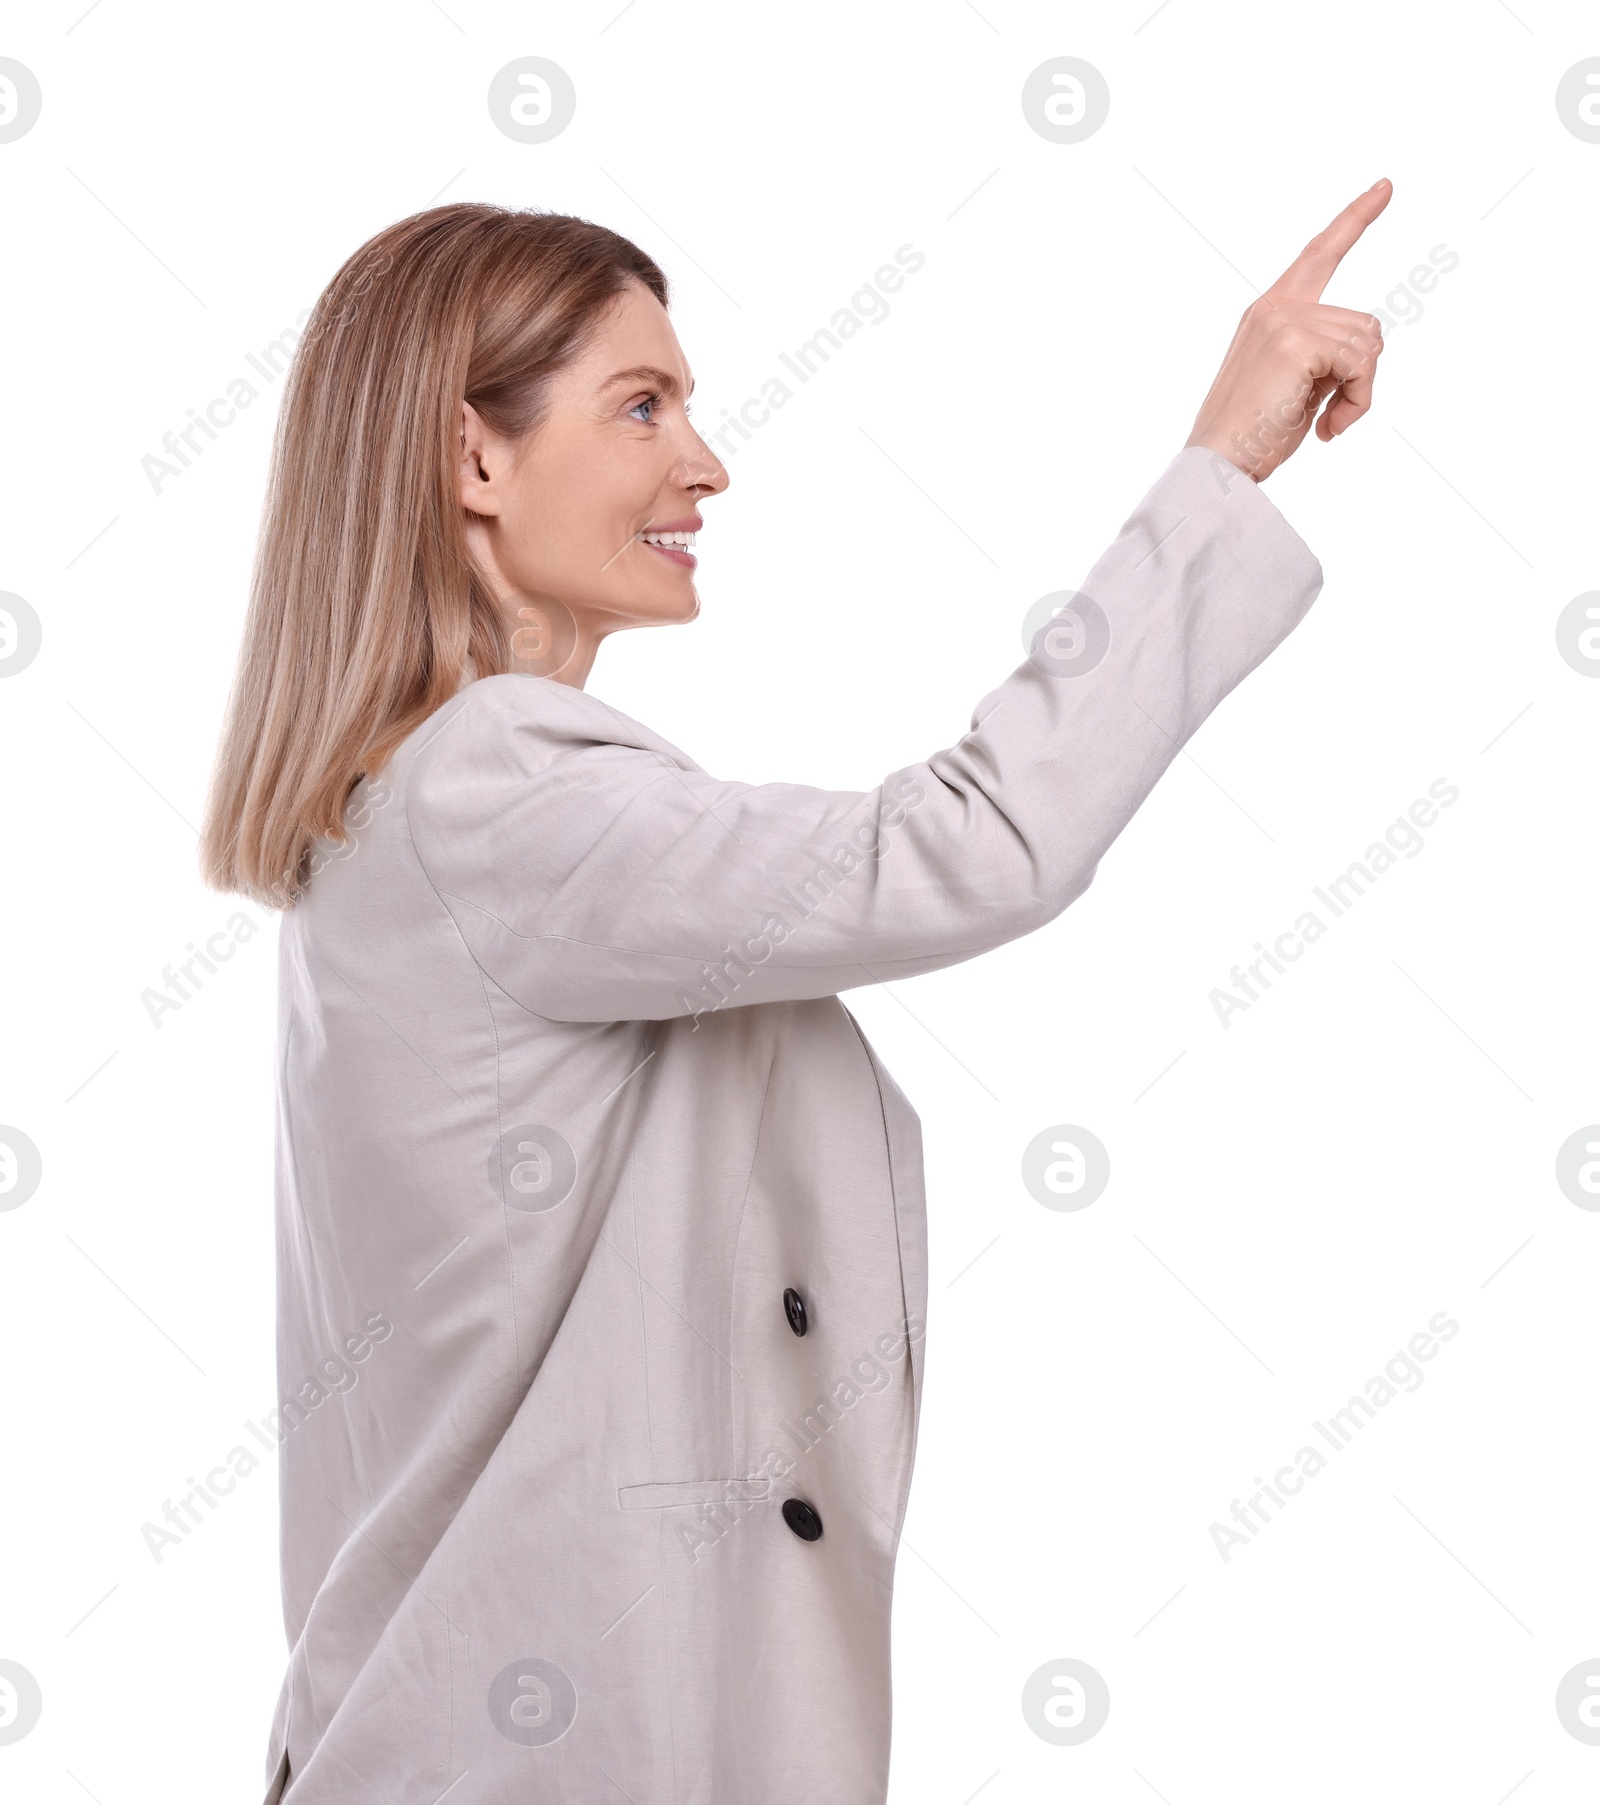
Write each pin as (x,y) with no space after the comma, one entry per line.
(794,1307)
(802,1519)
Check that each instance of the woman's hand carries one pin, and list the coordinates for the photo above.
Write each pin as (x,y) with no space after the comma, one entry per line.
(1290,353)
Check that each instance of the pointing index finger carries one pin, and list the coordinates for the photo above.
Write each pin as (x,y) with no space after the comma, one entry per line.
(1308,275)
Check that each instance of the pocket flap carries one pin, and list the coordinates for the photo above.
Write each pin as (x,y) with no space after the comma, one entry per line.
(694,1491)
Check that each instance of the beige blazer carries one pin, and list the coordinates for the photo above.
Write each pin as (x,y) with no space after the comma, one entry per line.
(602,1253)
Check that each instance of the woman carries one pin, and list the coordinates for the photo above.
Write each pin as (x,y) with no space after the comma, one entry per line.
(602,1259)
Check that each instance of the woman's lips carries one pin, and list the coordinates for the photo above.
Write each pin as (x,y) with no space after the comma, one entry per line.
(679,554)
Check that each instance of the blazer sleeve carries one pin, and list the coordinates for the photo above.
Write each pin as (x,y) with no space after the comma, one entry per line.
(599,874)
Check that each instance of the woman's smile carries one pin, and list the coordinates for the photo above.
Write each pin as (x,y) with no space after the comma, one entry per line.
(673,540)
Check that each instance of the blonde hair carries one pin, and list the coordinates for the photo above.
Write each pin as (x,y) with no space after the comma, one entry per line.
(366,609)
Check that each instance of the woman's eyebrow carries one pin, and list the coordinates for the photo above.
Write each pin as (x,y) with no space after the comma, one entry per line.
(663,380)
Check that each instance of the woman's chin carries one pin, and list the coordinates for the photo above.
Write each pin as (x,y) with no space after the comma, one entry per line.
(678,604)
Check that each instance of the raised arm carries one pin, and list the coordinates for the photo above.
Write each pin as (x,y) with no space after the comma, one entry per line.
(599,874)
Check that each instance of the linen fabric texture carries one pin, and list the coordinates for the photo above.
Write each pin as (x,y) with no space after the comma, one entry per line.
(566,1100)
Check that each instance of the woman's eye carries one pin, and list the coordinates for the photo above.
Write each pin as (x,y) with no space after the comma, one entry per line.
(650,401)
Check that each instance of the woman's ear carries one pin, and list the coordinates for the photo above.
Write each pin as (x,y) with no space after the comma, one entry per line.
(478,490)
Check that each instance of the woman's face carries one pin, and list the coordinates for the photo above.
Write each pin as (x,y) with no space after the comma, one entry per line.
(564,524)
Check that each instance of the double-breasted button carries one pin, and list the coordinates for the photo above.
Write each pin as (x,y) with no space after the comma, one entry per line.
(794,1307)
(802,1519)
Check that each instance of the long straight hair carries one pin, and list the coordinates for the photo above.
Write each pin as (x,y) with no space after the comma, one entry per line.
(367,612)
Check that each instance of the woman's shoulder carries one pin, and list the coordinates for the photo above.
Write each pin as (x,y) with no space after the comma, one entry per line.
(519,777)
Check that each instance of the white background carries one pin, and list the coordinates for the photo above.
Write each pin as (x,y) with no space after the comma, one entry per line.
(1292,1197)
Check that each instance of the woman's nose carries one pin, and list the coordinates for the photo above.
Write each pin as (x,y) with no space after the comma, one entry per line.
(704,471)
